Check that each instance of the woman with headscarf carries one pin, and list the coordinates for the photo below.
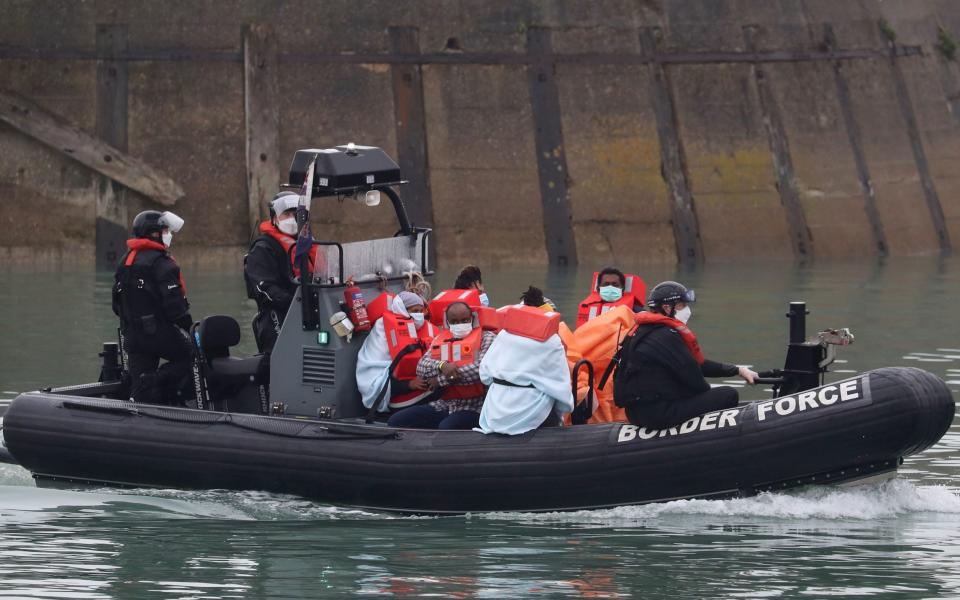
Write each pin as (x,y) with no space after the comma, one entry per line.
(387,362)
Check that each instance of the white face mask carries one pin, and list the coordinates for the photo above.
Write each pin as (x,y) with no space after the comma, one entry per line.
(288,226)
(167,238)
(461,330)
(417,319)
(683,315)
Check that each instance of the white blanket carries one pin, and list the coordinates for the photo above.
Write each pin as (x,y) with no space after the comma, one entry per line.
(523,361)
(374,360)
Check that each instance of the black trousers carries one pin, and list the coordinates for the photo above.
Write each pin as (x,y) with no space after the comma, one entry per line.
(670,413)
(266,328)
(171,383)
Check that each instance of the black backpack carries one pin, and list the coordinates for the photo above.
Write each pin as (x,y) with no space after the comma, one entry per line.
(623,371)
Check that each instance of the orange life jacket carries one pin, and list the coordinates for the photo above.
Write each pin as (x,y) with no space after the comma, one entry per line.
(287,243)
(597,341)
(486,315)
(530,322)
(137,244)
(379,306)
(634,292)
(401,332)
(459,352)
(438,306)
(648,318)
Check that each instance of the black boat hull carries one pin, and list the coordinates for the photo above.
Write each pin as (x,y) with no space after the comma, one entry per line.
(844,431)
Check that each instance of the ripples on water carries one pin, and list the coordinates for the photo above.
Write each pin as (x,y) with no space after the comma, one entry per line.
(894,539)
(899,539)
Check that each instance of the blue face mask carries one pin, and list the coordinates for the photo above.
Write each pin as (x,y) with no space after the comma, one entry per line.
(611,293)
(484,300)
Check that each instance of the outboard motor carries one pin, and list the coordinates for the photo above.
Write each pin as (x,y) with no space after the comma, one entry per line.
(807,359)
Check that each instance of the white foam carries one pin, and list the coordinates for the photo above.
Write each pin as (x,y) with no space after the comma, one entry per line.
(865,502)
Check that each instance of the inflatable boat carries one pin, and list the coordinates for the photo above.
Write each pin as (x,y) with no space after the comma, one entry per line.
(293,422)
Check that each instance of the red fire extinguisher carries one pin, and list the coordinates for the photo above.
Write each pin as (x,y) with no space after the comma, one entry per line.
(356,306)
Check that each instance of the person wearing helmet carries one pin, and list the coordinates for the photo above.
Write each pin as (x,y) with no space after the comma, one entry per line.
(151,300)
(660,380)
(269,268)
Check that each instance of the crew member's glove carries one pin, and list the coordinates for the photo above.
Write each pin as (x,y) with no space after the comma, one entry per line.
(185,322)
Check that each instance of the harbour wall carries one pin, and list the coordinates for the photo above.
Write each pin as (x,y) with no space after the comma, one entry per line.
(531,132)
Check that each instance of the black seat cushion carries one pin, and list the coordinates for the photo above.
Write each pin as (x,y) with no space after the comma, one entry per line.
(230,371)
(218,333)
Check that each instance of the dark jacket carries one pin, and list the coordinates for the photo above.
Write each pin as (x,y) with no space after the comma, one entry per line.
(658,366)
(269,276)
(148,294)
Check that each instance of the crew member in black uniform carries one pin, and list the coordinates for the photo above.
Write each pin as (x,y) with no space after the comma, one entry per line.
(150,298)
(660,377)
(268,269)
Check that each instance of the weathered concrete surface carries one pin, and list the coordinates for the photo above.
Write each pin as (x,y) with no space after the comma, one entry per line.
(830,192)
(618,197)
(486,194)
(186,117)
(728,157)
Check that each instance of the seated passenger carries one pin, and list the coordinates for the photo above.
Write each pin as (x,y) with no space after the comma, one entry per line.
(452,366)
(611,288)
(526,369)
(470,279)
(660,378)
(534,297)
(387,362)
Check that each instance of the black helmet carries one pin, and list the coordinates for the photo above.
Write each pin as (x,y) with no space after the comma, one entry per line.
(154,221)
(669,292)
(282,202)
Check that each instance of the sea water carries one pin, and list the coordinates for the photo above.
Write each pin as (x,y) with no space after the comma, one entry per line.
(898,539)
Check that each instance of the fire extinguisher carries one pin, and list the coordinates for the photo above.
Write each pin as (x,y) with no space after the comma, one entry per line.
(356,306)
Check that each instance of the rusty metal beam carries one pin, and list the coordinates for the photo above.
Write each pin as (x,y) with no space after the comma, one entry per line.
(551,155)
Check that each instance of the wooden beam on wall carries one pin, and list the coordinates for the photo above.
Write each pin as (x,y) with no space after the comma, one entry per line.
(673,162)
(113,219)
(800,236)
(262,114)
(56,132)
(551,155)
(856,145)
(916,145)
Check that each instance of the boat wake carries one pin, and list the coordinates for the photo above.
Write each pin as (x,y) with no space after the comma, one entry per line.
(866,502)
(888,499)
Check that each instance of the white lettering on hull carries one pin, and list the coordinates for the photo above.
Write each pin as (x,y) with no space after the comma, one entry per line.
(715,420)
(817,399)
(828,395)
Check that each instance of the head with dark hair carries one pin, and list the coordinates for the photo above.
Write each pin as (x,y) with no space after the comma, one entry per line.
(469,278)
(611,276)
(532,297)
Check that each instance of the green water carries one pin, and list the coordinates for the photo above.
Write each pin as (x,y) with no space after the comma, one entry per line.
(896,539)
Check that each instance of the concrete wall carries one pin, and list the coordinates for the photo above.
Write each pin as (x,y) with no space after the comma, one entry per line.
(875,159)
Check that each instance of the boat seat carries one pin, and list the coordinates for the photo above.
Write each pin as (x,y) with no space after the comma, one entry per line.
(231,380)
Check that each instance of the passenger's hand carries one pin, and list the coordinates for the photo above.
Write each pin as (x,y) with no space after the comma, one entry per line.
(748,375)
(449,369)
(419,384)
(433,383)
